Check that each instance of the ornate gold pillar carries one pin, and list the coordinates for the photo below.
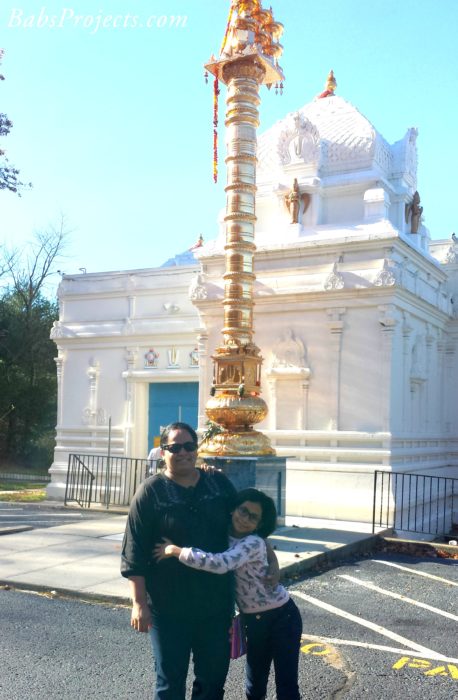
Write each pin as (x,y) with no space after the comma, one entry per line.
(247,60)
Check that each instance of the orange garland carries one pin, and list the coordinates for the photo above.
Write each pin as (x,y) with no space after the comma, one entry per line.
(216,92)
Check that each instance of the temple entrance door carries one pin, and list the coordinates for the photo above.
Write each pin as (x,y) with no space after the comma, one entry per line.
(169,402)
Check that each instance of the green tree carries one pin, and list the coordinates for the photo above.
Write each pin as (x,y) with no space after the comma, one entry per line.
(27,378)
(27,370)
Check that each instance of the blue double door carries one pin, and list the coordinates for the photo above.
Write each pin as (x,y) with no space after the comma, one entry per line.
(170,402)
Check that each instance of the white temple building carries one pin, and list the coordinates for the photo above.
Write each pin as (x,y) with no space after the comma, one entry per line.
(354,315)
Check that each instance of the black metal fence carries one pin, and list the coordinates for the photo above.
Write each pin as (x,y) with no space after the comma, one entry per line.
(33,478)
(415,502)
(103,480)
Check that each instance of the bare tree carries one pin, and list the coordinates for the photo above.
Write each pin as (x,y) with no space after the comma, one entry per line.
(29,270)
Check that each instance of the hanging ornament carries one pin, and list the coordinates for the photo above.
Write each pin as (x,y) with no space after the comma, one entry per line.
(215,156)
(216,92)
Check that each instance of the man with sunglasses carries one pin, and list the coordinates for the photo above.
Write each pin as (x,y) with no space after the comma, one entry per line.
(183,609)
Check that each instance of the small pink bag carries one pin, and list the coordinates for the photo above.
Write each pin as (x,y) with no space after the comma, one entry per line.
(238,639)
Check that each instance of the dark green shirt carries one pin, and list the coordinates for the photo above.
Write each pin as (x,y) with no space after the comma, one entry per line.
(190,517)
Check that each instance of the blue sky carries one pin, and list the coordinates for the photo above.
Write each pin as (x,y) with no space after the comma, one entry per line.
(113,125)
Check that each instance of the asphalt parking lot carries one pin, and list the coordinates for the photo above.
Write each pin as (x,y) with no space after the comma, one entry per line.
(382,627)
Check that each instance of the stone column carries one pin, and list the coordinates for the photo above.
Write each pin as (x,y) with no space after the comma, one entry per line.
(428,371)
(406,403)
(59,360)
(202,347)
(131,359)
(450,353)
(272,383)
(335,325)
(304,413)
(387,327)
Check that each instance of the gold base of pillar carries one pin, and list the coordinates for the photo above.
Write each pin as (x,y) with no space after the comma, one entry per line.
(235,412)
(244,443)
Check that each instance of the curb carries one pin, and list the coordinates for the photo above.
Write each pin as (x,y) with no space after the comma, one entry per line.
(324,559)
(66,593)
(13,530)
(420,548)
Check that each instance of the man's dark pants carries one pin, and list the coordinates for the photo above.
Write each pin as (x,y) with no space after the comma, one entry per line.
(173,640)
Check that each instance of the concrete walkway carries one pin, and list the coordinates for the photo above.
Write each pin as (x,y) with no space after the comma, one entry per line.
(82,559)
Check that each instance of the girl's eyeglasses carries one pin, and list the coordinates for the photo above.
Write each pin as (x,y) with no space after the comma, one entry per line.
(254,518)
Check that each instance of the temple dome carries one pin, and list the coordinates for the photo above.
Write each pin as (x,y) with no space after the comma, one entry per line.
(326,136)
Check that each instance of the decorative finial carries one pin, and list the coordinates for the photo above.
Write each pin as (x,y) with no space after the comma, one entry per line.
(251,32)
(199,243)
(330,86)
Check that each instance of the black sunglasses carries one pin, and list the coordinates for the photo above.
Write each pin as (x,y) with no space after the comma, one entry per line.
(176,447)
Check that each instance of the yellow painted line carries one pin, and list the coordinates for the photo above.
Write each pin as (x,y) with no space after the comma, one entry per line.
(370,625)
(451,670)
(414,571)
(398,596)
(377,647)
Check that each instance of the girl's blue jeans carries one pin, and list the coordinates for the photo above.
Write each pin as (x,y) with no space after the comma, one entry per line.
(274,635)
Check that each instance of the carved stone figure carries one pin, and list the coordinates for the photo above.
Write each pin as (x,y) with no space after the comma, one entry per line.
(151,358)
(451,255)
(197,288)
(299,142)
(289,352)
(57,331)
(386,277)
(173,357)
(334,280)
(299,138)
(293,202)
(194,357)
(414,212)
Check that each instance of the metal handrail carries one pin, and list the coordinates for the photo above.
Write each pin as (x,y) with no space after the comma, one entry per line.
(104,479)
(79,482)
(414,502)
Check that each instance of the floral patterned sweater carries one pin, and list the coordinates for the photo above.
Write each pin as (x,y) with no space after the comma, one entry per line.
(247,557)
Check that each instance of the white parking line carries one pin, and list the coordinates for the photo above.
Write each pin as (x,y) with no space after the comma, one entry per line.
(414,571)
(36,522)
(377,647)
(32,517)
(370,625)
(398,596)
